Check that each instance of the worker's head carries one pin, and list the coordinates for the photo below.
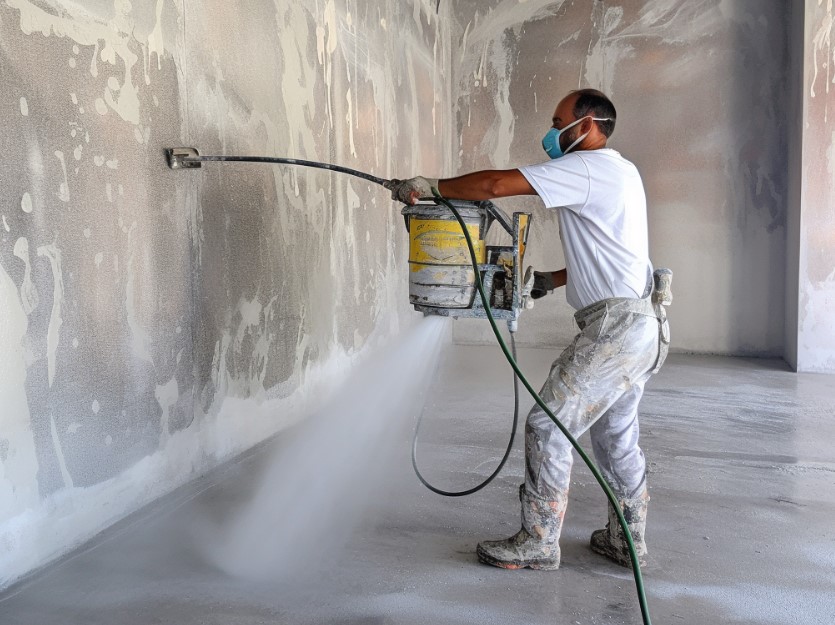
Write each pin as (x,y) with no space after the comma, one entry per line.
(583,120)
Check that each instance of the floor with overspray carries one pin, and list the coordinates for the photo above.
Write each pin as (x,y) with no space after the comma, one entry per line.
(741,474)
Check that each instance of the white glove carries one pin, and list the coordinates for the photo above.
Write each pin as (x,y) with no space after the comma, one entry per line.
(411,190)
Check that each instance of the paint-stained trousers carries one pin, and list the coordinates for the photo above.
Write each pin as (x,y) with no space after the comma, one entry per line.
(597,383)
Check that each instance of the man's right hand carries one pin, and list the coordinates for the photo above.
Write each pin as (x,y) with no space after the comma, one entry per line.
(543,283)
(411,190)
(546,281)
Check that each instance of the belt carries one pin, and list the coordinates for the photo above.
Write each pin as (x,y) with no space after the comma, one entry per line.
(643,306)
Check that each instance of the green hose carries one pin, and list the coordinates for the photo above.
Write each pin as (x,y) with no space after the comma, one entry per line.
(636,568)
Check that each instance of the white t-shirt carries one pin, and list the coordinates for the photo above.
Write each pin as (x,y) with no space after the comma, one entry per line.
(602,212)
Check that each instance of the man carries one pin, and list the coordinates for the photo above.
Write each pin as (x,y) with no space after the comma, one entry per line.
(597,382)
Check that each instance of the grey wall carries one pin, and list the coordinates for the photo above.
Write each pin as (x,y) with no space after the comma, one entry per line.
(701,92)
(794,127)
(813,336)
(153,323)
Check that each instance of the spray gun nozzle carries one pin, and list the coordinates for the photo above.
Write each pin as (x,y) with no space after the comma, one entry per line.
(176,158)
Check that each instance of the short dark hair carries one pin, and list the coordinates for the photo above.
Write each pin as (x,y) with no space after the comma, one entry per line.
(595,103)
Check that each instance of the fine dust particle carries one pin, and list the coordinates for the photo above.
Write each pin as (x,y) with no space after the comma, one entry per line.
(113,164)
(99,258)
(98,160)
(75,343)
(24,107)
(72,63)
(74,99)
(6,225)
(138,135)
(81,110)
(108,440)
(73,133)
(75,49)
(87,233)
(77,153)
(96,406)
(26,203)
(101,107)
(156,101)
(113,84)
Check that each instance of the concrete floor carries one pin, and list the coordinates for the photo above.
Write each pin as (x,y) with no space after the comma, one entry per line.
(741,530)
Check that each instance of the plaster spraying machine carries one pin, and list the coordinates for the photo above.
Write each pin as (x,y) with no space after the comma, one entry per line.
(441,276)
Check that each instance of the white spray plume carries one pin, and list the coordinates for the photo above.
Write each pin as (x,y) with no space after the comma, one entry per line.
(315,488)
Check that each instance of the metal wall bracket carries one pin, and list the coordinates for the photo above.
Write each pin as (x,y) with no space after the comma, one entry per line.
(177,158)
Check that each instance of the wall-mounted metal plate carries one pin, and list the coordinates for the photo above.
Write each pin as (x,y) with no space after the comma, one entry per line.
(177,158)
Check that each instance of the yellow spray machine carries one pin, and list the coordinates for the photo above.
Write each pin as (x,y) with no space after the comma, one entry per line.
(454,273)
(441,276)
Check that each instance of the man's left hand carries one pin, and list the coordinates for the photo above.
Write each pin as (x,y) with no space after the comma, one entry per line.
(411,190)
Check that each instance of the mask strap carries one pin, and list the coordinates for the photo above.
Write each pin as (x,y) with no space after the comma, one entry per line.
(580,140)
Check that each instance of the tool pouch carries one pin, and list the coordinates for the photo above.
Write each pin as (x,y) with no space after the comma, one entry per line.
(662,295)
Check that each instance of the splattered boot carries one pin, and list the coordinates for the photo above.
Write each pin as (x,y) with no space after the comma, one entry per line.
(611,542)
(536,545)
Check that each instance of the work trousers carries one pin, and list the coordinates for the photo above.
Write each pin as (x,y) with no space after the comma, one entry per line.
(597,383)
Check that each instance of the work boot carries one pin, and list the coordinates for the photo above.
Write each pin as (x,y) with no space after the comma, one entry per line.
(536,545)
(611,542)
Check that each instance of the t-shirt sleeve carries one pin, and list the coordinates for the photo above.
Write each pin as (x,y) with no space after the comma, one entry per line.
(560,182)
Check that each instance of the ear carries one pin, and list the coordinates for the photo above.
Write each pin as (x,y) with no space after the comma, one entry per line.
(587,125)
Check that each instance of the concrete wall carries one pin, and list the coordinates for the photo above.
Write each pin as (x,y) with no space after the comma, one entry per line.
(153,323)
(794,128)
(814,232)
(701,92)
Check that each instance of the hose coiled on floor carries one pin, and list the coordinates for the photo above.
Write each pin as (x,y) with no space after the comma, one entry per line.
(492,476)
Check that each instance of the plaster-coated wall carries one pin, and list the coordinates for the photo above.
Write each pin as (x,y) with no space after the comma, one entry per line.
(153,323)
(700,88)
(815,329)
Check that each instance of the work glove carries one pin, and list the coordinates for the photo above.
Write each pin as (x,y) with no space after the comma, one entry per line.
(411,190)
(543,283)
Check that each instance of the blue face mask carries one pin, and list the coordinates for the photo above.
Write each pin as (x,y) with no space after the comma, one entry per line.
(551,140)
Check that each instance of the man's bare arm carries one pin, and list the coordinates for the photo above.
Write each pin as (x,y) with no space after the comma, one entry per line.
(560,278)
(486,185)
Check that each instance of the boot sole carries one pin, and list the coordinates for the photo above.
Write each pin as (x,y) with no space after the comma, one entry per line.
(536,565)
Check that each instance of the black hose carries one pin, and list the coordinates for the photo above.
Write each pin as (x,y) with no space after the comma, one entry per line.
(287,161)
(478,487)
